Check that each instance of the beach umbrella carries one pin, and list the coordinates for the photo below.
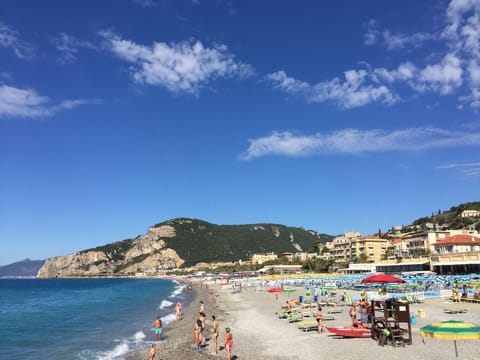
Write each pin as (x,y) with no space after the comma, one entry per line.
(452,330)
(382,278)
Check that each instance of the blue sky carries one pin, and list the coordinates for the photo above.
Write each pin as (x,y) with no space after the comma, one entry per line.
(332,116)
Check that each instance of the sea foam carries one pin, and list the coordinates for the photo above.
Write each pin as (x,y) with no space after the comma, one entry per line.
(169,318)
(165,303)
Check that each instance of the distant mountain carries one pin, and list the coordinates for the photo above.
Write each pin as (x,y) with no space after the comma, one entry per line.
(24,268)
(182,242)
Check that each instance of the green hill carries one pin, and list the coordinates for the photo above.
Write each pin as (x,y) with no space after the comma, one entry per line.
(200,241)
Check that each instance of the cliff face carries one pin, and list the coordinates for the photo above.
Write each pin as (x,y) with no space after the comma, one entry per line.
(146,253)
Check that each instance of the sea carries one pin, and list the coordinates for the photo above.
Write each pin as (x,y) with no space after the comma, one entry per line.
(82,319)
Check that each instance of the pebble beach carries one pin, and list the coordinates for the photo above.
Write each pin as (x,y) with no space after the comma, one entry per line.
(259,334)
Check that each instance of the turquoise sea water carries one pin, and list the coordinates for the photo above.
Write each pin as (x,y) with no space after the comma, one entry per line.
(81,319)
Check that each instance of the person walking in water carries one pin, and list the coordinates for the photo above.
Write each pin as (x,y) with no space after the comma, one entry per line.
(157,325)
(228,341)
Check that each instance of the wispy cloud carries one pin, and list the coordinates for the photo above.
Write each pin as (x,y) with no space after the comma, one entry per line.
(179,67)
(394,41)
(10,39)
(466,169)
(27,103)
(69,47)
(352,91)
(356,141)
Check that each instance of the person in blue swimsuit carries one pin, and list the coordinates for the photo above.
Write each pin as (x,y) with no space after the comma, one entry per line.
(157,325)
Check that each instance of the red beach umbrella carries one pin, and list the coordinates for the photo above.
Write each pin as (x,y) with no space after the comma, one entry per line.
(382,278)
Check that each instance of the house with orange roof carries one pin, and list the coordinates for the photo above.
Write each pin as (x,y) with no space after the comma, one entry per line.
(458,244)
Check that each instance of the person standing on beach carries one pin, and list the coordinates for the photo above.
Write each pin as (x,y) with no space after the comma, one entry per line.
(353,314)
(319,317)
(151,355)
(202,307)
(157,325)
(216,333)
(202,318)
(178,311)
(197,333)
(228,341)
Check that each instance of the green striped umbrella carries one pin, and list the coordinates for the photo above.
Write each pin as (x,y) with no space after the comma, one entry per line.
(453,330)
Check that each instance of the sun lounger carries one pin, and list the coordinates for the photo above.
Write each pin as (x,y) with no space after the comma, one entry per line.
(335,310)
(294,317)
(282,315)
(308,325)
(455,311)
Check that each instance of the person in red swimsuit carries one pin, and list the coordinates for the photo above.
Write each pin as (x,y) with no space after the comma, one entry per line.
(228,340)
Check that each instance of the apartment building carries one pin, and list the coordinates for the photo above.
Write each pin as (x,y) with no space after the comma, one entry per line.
(419,243)
(261,258)
(457,244)
(352,246)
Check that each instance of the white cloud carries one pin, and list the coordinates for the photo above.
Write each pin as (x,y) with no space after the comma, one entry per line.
(402,41)
(443,77)
(10,39)
(179,67)
(468,170)
(69,47)
(353,91)
(373,35)
(355,141)
(404,72)
(27,103)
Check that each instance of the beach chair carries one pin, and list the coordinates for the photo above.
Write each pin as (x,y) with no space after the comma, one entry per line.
(282,315)
(329,317)
(419,298)
(308,325)
(306,313)
(335,310)
(294,317)
(409,298)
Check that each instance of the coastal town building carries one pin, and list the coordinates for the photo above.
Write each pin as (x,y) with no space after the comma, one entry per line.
(399,248)
(458,244)
(368,248)
(261,258)
(352,247)
(422,243)
(470,213)
(341,246)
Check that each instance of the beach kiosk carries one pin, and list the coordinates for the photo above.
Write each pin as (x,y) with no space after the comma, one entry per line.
(391,322)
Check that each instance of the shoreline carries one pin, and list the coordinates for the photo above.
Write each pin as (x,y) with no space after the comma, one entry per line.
(258,333)
(177,340)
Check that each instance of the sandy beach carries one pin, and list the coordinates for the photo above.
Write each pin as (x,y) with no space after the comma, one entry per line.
(259,334)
